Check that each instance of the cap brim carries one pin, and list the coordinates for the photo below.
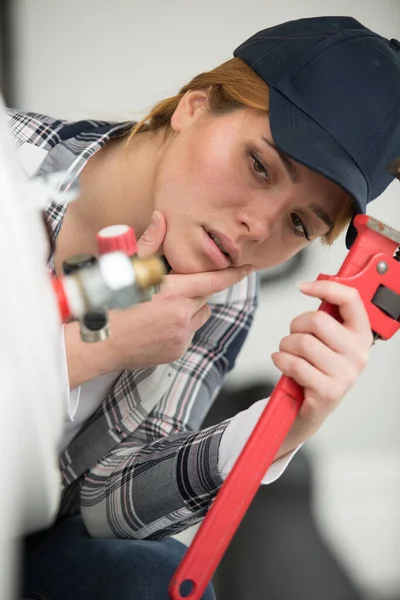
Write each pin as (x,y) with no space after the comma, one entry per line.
(303,139)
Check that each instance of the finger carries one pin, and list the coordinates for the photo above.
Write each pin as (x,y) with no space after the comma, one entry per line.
(205,284)
(334,365)
(303,373)
(307,346)
(329,331)
(191,309)
(151,240)
(347,299)
(201,317)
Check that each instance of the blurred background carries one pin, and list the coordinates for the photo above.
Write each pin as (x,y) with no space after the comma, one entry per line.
(330,528)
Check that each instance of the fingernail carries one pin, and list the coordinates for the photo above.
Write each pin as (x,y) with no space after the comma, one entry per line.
(153,221)
(304,285)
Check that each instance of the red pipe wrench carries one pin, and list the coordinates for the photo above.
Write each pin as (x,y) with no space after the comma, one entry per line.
(372,266)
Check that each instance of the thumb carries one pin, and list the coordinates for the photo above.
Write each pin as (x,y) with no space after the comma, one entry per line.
(151,240)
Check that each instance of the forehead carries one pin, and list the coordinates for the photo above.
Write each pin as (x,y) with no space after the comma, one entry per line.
(328,193)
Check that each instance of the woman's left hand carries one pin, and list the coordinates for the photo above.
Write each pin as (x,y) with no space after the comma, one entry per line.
(324,356)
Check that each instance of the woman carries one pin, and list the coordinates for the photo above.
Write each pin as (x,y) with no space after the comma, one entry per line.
(241,170)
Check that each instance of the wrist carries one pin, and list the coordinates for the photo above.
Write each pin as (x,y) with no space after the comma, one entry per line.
(299,433)
(86,361)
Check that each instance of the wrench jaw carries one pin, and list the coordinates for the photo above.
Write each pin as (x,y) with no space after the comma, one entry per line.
(389,232)
(384,298)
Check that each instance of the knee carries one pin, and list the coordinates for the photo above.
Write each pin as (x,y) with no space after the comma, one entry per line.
(161,557)
(158,561)
(105,568)
(178,550)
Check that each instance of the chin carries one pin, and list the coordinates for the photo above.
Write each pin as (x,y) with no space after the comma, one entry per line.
(183,266)
(182,263)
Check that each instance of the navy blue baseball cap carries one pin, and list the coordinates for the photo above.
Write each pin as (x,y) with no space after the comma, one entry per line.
(334,100)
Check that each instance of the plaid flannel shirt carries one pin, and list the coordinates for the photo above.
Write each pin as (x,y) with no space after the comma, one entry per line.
(139,468)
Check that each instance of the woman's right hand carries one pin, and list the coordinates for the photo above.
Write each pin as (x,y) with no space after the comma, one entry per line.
(161,330)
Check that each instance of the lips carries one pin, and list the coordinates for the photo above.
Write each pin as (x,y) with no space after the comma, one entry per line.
(225,244)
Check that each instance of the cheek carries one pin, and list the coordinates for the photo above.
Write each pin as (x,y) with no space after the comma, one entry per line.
(207,167)
(201,171)
(221,165)
(277,249)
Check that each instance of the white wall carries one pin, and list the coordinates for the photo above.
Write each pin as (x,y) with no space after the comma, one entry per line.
(113,60)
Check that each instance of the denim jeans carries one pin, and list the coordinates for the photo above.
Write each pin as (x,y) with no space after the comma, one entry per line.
(65,563)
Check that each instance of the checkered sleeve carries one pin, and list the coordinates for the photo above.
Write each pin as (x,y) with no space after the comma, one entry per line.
(37,129)
(164,477)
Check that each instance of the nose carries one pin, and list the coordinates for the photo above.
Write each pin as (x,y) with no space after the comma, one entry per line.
(257,222)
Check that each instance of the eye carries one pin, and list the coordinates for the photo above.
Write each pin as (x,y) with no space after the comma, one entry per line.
(298,227)
(259,168)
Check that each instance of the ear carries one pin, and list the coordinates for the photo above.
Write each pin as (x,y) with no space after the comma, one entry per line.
(192,105)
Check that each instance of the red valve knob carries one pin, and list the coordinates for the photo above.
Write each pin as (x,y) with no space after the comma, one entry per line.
(117,238)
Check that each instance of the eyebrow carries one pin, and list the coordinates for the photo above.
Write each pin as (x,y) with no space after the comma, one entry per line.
(322,215)
(290,167)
